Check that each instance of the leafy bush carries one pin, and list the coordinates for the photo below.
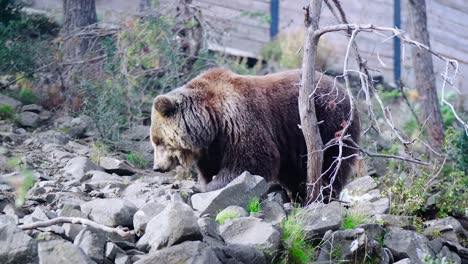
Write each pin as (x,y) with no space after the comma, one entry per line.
(27,96)
(137,160)
(24,39)
(296,248)
(254,205)
(6,112)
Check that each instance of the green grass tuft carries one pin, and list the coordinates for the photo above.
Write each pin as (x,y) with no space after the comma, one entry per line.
(6,112)
(27,96)
(297,249)
(226,215)
(137,160)
(351,220)
(254,205)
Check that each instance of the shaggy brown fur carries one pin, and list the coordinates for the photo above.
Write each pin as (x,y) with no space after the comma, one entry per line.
(227,124)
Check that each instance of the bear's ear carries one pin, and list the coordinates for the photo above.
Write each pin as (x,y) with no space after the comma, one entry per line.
(164,105)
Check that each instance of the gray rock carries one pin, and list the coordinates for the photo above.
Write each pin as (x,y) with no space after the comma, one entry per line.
(119,167)
(13,103)
(210,230)
(100,179)
(360,186)
(407,244)
(448,228)
(16,246)
(237,192)
(352,245)
(72,230)
(319,218)
(394,220)
(138,133)
(60,251)
(79,166)
(240,254)
(273,212)
(92,242)
(145,214)
(233,210)
(194,252)
(121,258)
(380,206)
(78,126)
(175,224)
(8,219)
(28,119)
(253,232)
(112,250)
(110,212)
(48,137)
(404,261)
(32,108)
(449,256)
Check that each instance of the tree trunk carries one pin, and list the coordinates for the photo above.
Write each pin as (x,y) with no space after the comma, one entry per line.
(77,14)
(307,114)
(424,74)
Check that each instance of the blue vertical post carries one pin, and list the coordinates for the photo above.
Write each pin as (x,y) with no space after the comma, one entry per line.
(396,42)
(274,14)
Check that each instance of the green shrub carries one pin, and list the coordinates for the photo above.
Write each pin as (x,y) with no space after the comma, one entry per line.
(254,205)
(27,96)
(137,160)
(6,112)
(226,215)
(353,219)
(296,249)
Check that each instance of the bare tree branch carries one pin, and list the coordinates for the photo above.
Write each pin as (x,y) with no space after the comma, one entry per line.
(76,220)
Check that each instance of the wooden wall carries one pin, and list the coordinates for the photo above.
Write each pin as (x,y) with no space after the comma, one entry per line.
(239,27)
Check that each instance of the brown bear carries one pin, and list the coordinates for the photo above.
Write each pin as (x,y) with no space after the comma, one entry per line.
(226,124)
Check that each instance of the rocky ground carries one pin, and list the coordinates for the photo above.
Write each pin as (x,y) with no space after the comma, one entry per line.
(154,218)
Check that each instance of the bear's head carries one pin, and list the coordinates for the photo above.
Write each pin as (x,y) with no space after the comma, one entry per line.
(183,123)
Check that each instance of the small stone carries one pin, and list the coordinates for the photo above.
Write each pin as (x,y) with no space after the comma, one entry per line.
(111,212)
(209,230)
(32,108)
(360,186)
(394,220)
(242,254)
(119,167)
(251,231)
(138,133)
(175,224)
(29,119)
(112,250)
(237,192)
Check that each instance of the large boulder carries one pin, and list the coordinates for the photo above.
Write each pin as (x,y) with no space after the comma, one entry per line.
(29,119)
(15,246)
(13,103)
(79,166)
(92,242)
(408,244)
(145,214)
(319,218)
(253,232)
(175,224)
(194,252)
(237,192)
(60,251)
(110,212)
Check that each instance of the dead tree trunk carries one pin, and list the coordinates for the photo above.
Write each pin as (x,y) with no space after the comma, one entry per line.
(424,74)
(77,14)
(309,124)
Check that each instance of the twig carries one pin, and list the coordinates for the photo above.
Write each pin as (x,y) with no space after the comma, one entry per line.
(76,220)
